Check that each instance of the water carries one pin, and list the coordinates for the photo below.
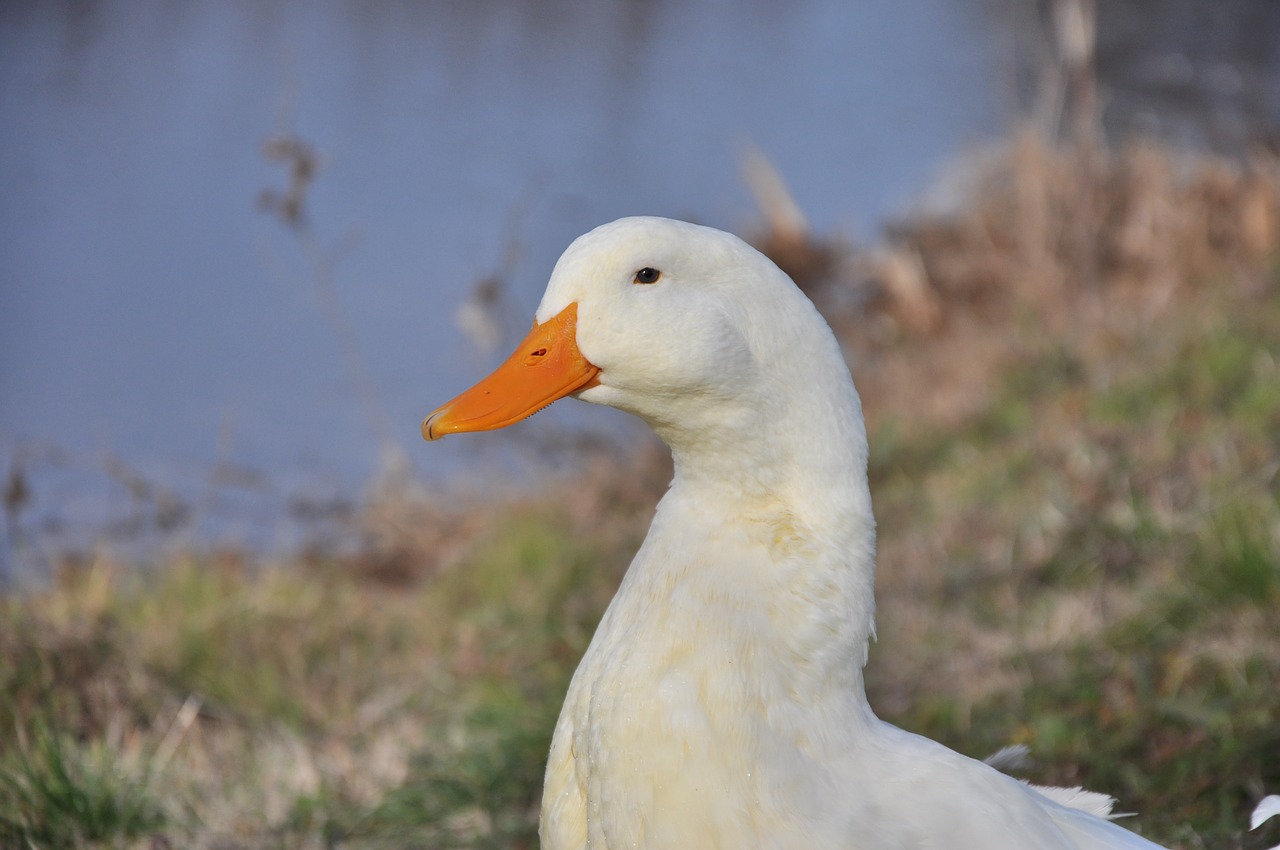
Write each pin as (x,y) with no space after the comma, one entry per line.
(157,326)
(153,313)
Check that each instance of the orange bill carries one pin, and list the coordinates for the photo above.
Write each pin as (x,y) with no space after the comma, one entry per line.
(545,367)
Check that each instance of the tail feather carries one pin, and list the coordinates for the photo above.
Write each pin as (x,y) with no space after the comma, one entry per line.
(1267,808)
(1089,802)
(1018,757)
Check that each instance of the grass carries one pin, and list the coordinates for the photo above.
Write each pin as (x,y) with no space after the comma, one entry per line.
(330,707)
(1078,495)
(56,794)
(484,792)
(1107,535)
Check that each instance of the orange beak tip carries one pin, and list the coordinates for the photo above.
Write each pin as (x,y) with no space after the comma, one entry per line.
(427,433)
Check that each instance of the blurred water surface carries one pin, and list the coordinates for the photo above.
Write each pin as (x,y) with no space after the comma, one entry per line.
(153,313)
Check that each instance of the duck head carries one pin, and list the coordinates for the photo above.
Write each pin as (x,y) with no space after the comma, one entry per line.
(687,327)
(710,343)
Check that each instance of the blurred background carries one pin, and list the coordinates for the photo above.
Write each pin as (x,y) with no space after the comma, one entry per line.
(246,247)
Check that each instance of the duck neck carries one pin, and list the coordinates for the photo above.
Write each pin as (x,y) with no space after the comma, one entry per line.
(787,481)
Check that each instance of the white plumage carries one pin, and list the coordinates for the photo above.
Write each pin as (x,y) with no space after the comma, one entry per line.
(721,702)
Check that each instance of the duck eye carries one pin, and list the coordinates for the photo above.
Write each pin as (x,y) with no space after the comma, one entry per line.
(647,275)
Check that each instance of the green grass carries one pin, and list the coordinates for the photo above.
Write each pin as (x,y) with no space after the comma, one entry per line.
(57,793)
(482,792)
(331,709)
(1162,497)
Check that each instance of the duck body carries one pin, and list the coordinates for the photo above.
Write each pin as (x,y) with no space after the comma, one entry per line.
(721,701)
(699,718)
(693,676)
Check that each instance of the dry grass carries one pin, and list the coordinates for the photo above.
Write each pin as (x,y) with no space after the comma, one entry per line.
(1075,463)
(1076,245)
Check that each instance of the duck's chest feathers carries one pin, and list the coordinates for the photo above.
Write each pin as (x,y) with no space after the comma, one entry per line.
(707,687)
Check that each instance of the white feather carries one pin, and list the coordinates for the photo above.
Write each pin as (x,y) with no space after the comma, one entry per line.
(1090,802)
(721,702)
(1267,808)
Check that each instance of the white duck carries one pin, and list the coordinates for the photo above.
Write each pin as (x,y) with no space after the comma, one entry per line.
(721,702)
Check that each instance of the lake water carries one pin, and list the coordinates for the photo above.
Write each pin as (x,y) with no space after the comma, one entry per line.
(157,325)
